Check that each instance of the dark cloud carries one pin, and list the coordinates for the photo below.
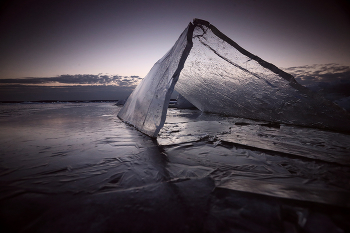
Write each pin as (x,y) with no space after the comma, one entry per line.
(330,73)
(78,79)
(330,80)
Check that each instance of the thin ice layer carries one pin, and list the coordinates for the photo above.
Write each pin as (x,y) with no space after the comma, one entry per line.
(221,77)
(147,106)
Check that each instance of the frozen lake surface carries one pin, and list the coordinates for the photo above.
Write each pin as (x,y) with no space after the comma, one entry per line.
(76,167)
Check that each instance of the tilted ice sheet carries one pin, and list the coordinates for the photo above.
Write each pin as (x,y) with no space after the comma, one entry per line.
(216,75)
(221,78)
(147,105)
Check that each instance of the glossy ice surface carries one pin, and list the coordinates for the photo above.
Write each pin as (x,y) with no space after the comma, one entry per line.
(79,168)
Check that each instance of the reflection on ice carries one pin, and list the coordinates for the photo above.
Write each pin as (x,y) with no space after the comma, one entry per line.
(78,168)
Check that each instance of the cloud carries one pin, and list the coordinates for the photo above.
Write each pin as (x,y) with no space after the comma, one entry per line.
(331,80)
(330,73)
(68,87)
(78,79)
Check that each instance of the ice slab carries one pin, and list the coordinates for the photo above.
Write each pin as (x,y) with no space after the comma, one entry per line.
(316,144)
(290,191)
(216,75)
(221,77)
(146,107)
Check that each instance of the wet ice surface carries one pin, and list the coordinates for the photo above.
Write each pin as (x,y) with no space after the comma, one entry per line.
(78,168)
(76,148)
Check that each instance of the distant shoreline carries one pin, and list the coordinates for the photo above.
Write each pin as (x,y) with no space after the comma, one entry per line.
(57,101)
(62,101)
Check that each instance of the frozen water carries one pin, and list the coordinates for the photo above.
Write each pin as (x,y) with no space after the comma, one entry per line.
(221,77)
(146,107)
(78,168)
(216,75)
(258,157)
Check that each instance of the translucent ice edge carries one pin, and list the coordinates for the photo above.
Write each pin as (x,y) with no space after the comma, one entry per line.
(216,75)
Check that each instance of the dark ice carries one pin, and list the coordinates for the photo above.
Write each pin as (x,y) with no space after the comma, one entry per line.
(76,167)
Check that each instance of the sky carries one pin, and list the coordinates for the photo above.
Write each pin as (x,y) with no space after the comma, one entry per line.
(64,39)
